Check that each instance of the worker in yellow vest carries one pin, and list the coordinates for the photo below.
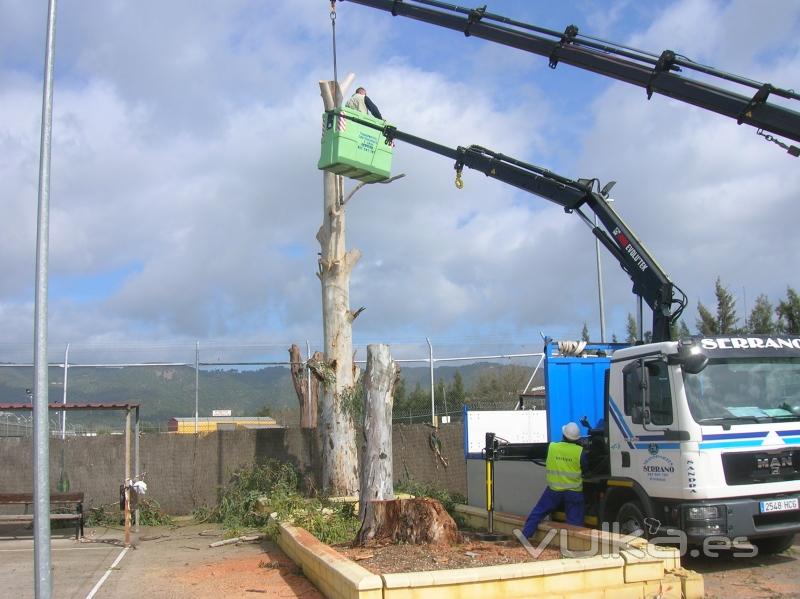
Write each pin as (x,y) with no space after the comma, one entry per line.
(566,461)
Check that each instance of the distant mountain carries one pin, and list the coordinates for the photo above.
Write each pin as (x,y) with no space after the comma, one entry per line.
(165,392)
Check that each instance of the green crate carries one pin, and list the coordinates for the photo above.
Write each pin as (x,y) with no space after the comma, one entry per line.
(354,150)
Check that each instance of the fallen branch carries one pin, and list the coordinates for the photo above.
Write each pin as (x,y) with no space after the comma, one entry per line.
(243,539)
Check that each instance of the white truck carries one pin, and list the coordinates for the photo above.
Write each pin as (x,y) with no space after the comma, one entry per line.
(696,435)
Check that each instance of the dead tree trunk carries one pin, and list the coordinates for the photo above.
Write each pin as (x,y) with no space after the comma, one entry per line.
(306,385)
(412,521)
(376,455)
(337,429)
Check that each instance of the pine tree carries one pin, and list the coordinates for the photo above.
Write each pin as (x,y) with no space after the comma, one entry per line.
(789,313)
(585,332)
(456,392)
(683,331)
(761,321)
(440,394)
(706,324)
(726,309)
(631,329)
(614,338)
(400,399)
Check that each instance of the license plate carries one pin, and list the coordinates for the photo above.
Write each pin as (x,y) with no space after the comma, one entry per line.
(779,505)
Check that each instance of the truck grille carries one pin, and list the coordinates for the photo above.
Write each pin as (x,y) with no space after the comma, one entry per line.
(761,467)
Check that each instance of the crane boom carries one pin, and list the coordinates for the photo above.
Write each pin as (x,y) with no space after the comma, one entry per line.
(650,282)
(656,74)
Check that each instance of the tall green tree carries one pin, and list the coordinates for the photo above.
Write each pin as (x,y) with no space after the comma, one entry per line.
(679,330)
(440,394)
(706,322)
(761,321)
(788,312)
(456,392)
(500,385)
(631,330)
(419,400)
(724,321)
(726,309)
(400,392)
(585,332)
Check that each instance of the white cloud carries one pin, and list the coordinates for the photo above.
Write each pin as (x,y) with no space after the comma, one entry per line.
(185,197)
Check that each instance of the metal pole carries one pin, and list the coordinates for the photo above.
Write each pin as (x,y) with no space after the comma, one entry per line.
(64,398)
(433,406)
(41,434)
(600,286)
(640,316)
(127,490)
(136,459)
(196,383)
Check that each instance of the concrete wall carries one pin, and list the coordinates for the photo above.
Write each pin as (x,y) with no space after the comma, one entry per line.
(185,472)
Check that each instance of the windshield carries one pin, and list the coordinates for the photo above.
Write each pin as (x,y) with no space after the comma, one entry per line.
(745,390)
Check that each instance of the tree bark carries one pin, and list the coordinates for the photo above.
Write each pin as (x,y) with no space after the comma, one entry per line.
(376,455)
(301,373)
(337,429)
(412,521)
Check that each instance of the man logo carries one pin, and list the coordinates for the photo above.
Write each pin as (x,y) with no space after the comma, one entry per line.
(774,464)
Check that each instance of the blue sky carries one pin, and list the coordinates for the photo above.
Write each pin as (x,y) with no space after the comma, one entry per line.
(185,198)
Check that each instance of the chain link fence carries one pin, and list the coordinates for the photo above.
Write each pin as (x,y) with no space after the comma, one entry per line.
(192,380)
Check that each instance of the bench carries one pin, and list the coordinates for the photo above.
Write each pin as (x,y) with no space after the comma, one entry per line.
(67,500)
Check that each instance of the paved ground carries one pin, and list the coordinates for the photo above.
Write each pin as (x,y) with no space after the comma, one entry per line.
(166,562)
(178,563)
(762,577)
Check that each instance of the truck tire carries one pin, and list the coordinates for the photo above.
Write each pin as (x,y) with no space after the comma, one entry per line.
(770,545)
(630,517)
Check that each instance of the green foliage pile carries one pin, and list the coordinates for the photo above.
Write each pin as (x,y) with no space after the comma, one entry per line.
(259,490)
(150,514)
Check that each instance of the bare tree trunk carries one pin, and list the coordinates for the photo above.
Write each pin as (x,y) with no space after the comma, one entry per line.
(337,429)
(376,455)
(307,390)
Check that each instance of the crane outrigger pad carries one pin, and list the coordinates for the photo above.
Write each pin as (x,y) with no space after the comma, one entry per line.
(352,149)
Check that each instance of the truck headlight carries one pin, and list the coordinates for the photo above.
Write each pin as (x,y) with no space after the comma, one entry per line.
(703,512)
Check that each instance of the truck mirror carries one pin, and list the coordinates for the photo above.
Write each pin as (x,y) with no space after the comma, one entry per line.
(694,363)
(690,358)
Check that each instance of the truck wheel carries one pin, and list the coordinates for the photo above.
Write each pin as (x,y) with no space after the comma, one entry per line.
(770,545)
(631,518)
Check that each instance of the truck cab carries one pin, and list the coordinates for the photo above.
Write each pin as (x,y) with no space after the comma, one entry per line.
(702,436)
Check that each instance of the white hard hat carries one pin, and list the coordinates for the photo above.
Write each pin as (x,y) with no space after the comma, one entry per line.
(571,431)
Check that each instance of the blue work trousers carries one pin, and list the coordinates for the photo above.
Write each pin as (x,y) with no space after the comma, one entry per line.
(551,501)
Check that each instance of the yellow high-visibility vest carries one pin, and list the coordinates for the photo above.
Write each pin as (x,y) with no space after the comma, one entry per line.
(563,467)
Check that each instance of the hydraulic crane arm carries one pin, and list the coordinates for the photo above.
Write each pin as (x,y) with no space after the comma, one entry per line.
(656,74)
(650,282)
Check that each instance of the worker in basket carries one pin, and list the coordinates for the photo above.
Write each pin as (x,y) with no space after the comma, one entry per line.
(566,461)
(360,101)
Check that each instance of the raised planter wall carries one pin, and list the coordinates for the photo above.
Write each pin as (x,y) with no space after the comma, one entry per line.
(643,572)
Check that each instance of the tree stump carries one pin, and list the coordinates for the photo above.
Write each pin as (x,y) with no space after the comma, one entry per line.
(412,521)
